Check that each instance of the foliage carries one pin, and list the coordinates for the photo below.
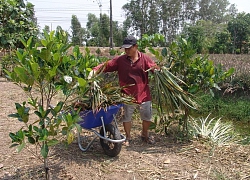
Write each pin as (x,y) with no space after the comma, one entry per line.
(207,36)
(48,70)
(216,131)
(112,52)
(17,22)
(185,71)
(231,108)
(222,43)
(213,10)
(170,17)
(168,93)
(77,32)
(8,61)
(198,72)
(98,31)
(239,27)
(143,16)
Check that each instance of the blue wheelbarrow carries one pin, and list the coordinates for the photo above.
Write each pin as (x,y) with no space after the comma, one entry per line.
(110,137)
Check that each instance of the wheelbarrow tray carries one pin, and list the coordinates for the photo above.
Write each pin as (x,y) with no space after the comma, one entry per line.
(92,119)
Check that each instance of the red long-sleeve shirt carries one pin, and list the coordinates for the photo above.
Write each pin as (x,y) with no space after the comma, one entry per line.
(132,75)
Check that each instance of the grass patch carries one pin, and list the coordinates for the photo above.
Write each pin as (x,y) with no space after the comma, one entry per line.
(234,109)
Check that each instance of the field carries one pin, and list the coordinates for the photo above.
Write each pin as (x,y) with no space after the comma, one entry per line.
(168,159)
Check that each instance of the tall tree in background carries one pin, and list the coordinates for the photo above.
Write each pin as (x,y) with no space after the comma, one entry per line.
(98,30)
(213,10)
(205,35)
(118,34)
(170,10)
(78,32)
(188,12)
(17,21)
(47,28)
(104,32)
(153,23)
(136,11)
(239,28)
(93,27)
(142,16)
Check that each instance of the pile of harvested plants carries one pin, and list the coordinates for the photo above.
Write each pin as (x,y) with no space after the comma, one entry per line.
(168,94)
(102,93)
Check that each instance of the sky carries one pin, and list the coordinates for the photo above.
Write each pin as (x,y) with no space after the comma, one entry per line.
(59,12)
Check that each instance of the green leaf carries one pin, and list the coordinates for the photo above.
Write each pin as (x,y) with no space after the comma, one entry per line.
(38,114)
(52,72)
(14,137)
(58,107)
(19,55)
(82,82)
(64,130)
(31,140)
(19,148)
(24,75)
(13,145)
(78,127)
(23,42)
(44,42)
(44,150)
(21,73)
(53,142)
(36,128)
(29,43)
(35,70)
(45,54)
(164,52)
(16,115)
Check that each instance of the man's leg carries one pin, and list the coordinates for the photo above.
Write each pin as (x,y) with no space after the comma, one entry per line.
(146,116)
(126,119)
(127,127)
(145,127)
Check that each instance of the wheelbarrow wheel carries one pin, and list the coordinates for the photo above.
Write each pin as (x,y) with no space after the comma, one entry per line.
(110,148)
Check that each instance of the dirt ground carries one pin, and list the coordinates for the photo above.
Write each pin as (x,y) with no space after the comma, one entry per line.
(168,159)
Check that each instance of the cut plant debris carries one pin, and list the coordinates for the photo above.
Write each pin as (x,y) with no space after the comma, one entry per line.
(168,94)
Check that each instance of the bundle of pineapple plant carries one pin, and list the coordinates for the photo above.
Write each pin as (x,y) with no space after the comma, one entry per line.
(104,91)
(169,93)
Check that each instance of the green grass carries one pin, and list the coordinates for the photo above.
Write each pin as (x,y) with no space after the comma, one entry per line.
(231,108)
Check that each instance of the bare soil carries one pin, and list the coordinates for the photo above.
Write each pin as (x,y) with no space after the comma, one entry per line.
(168,159)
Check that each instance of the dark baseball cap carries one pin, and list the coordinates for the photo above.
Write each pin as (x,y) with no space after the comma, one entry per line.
(129,41)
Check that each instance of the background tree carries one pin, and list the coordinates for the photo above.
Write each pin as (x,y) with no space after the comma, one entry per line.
(222,44)
(104,33)
(78,32)
(17,20)
(98,31)
(213,10)
(47,28)
(169,17)
(206,36)
(93,29)
(239,29)
(137,13)
(118,34)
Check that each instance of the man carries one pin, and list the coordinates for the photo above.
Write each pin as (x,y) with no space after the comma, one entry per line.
(133,75)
